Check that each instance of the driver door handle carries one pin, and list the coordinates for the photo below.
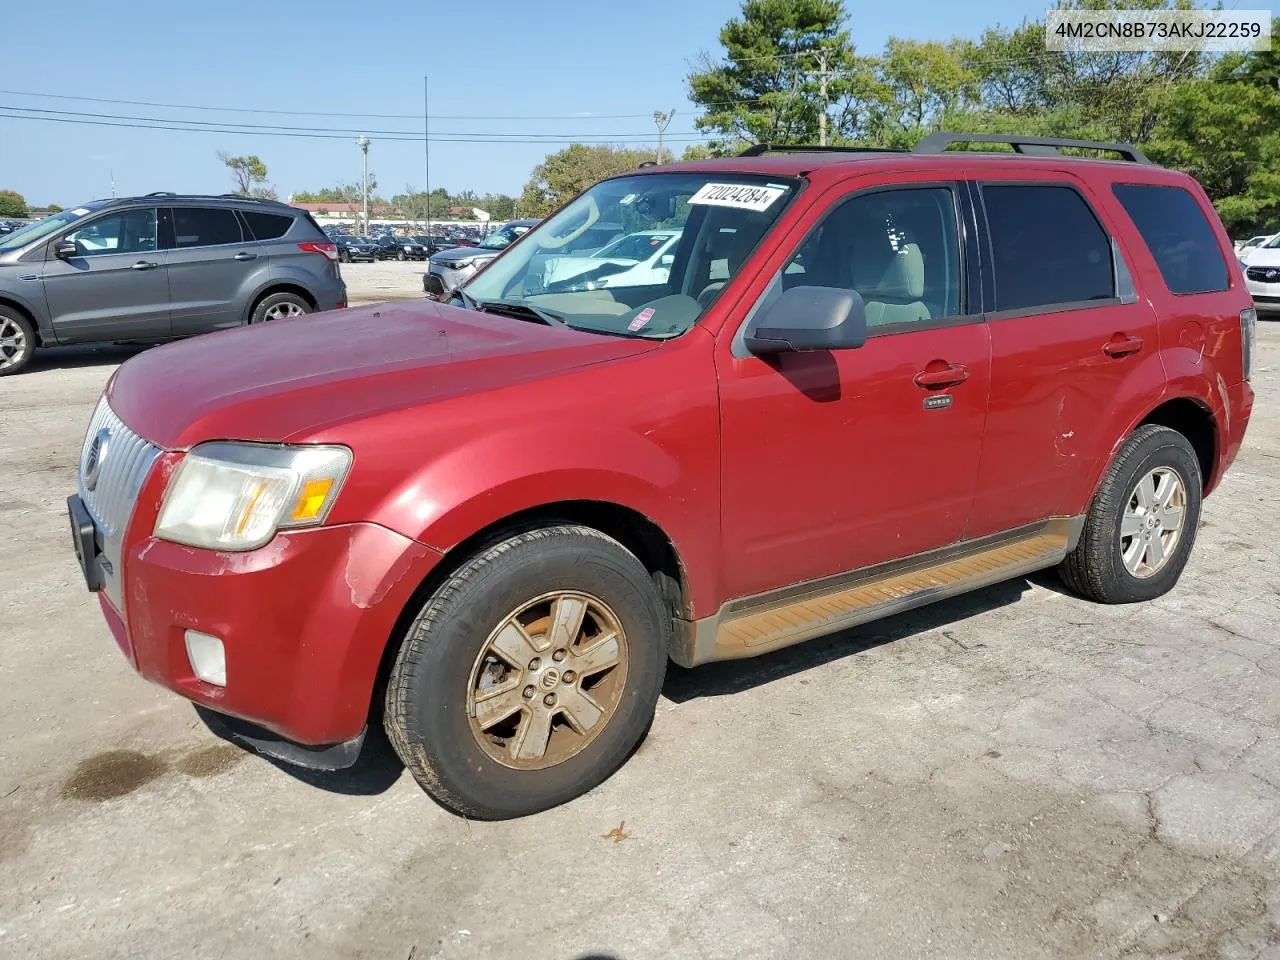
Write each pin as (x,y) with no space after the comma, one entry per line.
(246,256)
(144,265)
(948,376)
(1121,345)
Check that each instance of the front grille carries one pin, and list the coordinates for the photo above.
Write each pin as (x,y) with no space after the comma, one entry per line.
(115,461)
(433,284)
(1264,274)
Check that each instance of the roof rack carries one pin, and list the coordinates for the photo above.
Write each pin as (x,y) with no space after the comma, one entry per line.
(161,193)
(760,149)
(1032,146)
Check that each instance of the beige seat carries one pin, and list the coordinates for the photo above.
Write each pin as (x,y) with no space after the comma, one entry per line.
(895,297)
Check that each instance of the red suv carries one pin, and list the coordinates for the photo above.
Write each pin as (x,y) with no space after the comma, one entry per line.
(867,381)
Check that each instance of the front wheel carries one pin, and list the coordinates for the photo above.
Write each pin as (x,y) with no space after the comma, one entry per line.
(1142,523)
(17,342)
(401,256)
(530,675)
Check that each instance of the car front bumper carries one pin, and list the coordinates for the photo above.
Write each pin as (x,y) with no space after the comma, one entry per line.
(446,278)
(1265,293)
(303,621)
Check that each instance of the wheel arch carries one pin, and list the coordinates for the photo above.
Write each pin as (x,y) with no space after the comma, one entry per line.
(21,308)
(637,532)
(278,286)
(1195,421)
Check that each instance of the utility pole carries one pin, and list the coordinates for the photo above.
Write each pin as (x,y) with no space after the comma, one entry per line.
(426,154)
(823,74)
(661,119)
(363,144)
(112,172)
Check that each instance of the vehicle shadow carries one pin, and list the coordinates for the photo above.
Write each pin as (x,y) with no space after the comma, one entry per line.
(374,772)
(89,355)
(733,676)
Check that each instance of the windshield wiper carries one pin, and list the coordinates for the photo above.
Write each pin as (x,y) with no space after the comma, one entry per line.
(519,311)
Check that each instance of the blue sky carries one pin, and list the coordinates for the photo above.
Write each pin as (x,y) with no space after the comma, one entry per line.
(591,70)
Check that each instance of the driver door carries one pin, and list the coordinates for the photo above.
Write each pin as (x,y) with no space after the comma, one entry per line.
(115,287)
(836,460)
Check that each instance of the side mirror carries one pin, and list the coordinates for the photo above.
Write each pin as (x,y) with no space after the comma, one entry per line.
(667,259)
(810,318)
(65,249)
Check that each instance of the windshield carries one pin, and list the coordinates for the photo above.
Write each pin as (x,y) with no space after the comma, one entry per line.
(718,219)
(501,238)
(1273,243)
(41,228)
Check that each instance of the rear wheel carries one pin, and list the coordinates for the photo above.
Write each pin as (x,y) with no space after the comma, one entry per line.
(401,256)
(344,255)
(279,306)
(1142,523)
(17,342)
(530,675)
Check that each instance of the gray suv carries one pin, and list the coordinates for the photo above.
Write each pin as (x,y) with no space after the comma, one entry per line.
(159,267)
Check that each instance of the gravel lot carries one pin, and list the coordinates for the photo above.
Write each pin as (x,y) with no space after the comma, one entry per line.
(1016,773)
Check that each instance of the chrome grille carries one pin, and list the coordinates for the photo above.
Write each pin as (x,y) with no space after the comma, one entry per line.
(123,460)
(114,462)
(1264,274)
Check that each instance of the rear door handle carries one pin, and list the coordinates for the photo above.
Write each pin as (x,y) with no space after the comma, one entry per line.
(246,256)
(144,265)
(947,376)
(1122,345)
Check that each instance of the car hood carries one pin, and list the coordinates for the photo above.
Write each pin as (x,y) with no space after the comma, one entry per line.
(454,254)
(289,379)
(1263,257)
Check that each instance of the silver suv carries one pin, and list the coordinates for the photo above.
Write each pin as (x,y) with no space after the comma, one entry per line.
(160,267)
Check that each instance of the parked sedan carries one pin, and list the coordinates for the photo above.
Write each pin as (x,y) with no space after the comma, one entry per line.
(356,248)
(637,260)
(401,248)
(1261,265)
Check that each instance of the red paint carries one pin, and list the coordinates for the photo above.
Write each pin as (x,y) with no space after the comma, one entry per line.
(761,471)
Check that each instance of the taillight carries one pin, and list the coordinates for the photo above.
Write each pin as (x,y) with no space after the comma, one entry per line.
(1248,325)
(329,250)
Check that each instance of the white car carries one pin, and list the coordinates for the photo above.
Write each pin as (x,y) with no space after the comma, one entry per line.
(1243,246)
(637,260)
(1261,265)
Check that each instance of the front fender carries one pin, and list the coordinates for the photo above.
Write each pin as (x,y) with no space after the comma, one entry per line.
(33,303)
(503,473)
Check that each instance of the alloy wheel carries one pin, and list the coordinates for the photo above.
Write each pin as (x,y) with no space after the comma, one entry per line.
(548,680)
(13,342)
(1152,522)
(282,311)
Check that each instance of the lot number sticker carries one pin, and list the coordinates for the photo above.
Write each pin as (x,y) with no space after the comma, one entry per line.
(737,195)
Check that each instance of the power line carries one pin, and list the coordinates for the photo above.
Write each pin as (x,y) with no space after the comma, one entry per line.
(305,134)
(319,113)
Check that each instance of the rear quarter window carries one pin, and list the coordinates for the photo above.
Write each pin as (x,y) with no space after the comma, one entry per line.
(1175,230)
(267,226)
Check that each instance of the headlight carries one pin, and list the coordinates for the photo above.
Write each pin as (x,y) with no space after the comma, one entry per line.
(235,496)
(459,264)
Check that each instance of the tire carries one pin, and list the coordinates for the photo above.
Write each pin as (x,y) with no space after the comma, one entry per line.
(447,657)
(401,256)
(279,306)
(344,256)
(1097,568)
(17,342)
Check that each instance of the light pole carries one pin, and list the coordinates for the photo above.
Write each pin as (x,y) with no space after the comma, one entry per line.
(363,144)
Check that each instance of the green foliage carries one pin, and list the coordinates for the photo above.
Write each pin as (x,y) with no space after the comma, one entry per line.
(53,208)
(565,174)
(1216,117)
(249,173)
(12,204)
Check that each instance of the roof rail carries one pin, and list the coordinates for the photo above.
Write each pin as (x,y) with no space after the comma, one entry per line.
(760,149)
(1032,146)
(160,193)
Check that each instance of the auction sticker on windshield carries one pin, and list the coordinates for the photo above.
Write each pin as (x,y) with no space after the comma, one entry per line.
(737,195)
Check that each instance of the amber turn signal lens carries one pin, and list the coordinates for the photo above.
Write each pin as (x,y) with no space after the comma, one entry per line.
(311,500)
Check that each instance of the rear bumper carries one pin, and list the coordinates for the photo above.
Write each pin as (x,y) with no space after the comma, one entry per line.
(1239,410)
(304,622)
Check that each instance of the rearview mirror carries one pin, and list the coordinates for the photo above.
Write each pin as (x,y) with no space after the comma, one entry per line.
(667,259)
(810,318)
(65,249)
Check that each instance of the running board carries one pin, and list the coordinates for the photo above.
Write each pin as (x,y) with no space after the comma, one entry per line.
(780,618)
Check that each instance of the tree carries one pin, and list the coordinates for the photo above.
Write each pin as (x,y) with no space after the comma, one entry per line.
(343,193)
(563,175)
(249,173)
(53,208)
(768,88)
(12,204)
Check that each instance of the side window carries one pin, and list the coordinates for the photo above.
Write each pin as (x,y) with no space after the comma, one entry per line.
(205,227)
(267,226)
(131,231)
(1179,237)
(899,249)
(1047,246)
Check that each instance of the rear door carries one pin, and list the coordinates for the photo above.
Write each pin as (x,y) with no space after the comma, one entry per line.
(1073,349)
(115,287)
(212,263)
